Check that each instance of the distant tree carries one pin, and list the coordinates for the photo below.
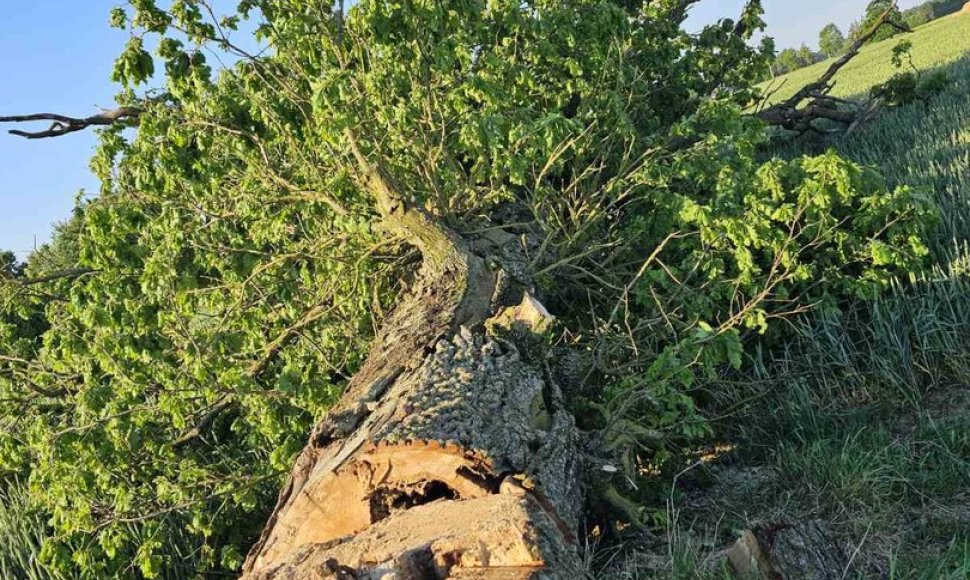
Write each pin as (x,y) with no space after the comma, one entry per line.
(855,31)
(919,15)
(792,59)
(943,8)
(805,56)
(831,41)
(785,62)
(61,253)
(10,267)
(874,11)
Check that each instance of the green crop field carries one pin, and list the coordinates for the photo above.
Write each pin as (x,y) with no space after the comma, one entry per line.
(868,409)
(938,43)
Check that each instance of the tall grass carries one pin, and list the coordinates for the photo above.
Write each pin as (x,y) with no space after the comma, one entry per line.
(952,564)
(22,531)
(896,348)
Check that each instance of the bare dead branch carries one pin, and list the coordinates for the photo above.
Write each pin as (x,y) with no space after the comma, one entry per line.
(62,124)
(868,112)
(790,114)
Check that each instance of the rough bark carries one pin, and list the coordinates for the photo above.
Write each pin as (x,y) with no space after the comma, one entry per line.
(451,454)
(779,551)
(450,447)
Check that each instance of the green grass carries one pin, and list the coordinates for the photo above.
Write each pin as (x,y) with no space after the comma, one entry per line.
(863,419)
(937,43)
(22,531)
(953,563)
(863,471)
(902,347)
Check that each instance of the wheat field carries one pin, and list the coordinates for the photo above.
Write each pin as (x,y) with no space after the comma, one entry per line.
(867,408)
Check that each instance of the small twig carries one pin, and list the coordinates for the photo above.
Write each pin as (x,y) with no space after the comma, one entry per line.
(274,347)
(204,423)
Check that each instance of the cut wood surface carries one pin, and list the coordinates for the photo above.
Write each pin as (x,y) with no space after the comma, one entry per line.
(466,461)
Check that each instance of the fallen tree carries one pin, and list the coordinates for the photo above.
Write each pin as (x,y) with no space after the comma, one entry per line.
(442,426)
(393,201)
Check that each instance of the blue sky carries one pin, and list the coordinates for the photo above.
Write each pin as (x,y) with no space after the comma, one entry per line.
(791,22)
(57,55)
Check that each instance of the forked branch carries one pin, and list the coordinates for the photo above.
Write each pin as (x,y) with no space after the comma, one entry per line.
(792,115)
(62,124)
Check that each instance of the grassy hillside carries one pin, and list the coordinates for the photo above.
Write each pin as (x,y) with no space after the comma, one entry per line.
(937,43)
(861,424)
(921,146)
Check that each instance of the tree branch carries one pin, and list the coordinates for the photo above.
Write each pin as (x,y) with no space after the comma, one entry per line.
(789,114)
(274,347)
(402,214)
(62,124)
(24,378)
(71,273)
(204,423)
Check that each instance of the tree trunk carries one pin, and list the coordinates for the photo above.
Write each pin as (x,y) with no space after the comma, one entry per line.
(451,454)
(805,550)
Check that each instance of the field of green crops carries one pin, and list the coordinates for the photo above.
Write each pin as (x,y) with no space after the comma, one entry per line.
(922,146)
(868,410)
(937,43)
